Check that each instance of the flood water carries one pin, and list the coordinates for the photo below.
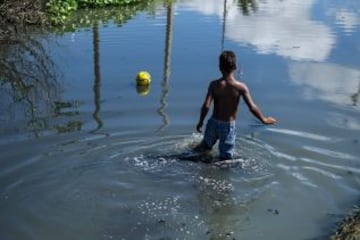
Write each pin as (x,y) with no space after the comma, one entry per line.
(87,155)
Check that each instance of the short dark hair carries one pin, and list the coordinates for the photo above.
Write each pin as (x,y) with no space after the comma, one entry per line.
(227,61)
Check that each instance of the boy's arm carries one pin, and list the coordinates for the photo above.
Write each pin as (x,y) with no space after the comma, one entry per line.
(254,109)
(205,109)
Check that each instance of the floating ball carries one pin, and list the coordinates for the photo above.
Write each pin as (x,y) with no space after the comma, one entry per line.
(143,78)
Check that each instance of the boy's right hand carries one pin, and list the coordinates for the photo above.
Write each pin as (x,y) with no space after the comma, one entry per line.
(269,120)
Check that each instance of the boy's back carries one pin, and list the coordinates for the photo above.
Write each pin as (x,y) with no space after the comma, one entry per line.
(226,95)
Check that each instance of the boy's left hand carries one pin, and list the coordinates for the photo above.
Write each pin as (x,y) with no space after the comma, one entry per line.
(198,127)
(270,120)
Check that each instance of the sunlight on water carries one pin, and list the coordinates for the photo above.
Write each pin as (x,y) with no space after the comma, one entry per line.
(330,153)
(301,134)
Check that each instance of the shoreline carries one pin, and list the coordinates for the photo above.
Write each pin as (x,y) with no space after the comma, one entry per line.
(349,227)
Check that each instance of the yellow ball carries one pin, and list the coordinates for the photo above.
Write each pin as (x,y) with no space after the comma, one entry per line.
(143,78)
(143,90)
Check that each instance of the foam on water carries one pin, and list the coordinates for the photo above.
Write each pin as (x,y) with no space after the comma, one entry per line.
(156,154)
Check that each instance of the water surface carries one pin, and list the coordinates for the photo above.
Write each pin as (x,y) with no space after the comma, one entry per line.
(85,154)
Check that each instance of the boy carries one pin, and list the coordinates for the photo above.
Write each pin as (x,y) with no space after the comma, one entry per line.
(226,93)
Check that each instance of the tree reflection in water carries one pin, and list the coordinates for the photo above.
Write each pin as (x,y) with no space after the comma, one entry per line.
(97,80)
(167,58)
(247,6)
(28,79)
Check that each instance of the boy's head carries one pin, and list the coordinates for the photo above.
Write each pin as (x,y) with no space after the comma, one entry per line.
(227,62)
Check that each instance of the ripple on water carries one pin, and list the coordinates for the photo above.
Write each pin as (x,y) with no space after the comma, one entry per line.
(94,179)
(251,157)
(307,135)
(306,161)
(168,183)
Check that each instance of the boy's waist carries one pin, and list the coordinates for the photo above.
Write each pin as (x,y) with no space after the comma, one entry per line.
(231,122)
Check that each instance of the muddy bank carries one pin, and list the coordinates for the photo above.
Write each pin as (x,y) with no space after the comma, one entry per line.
(14,13)
(349,228)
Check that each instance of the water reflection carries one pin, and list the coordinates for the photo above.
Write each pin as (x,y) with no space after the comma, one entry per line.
(143,90)
(284,28)
(97,80)
(67,109)
(355,96)
(166,76)
(29,80)
(247,6)
(217,203)
(88,17)
(130,174)
(345,14)
(328,82)
(347,20)
(223,26)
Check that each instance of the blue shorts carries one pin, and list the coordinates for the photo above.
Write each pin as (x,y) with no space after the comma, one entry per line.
(225,132)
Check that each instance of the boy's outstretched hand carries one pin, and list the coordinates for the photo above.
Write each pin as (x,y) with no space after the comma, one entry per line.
(269,120)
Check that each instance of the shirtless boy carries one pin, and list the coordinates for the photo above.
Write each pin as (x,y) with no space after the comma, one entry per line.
(226,93)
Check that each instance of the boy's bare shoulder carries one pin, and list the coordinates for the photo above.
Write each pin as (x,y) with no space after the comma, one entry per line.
(214,83)
(241,86)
